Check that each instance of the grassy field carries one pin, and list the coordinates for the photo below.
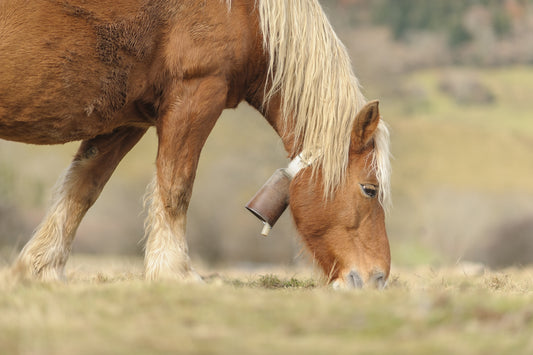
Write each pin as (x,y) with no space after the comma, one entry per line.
(106,308)
(462,171)
(440,141)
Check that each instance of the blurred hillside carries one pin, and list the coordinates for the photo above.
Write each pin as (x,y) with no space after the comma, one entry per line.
(455,80)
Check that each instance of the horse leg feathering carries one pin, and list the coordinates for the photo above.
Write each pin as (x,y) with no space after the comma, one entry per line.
(45,255)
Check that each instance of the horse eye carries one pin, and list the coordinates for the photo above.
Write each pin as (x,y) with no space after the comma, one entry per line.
(369,190)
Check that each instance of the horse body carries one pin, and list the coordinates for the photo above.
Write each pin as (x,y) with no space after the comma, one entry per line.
(104,72)
(54,87)
(74,70)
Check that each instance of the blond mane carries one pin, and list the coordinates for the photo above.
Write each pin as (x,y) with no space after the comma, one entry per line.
(310,69)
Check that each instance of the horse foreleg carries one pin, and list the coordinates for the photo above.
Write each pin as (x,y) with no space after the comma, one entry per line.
(182,133)
(45,255)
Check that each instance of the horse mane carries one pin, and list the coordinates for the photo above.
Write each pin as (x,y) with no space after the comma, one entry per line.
(310,69)
(381,164)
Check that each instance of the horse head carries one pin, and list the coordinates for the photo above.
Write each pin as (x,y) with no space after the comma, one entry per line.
(345,233)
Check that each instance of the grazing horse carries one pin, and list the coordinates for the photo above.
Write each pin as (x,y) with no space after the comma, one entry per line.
(103,72)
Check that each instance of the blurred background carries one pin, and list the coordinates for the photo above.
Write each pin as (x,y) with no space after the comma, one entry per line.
(455,81)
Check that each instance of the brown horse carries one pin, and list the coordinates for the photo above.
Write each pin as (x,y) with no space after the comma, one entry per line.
(105,71)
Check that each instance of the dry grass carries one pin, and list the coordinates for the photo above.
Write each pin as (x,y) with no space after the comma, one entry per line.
(106,308)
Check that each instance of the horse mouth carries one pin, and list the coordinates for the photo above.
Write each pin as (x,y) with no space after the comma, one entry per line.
(354,281)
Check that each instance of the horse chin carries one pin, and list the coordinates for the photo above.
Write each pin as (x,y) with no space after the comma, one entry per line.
(354,281)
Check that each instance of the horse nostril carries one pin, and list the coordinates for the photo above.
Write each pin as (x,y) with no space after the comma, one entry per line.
(378,279)
(353,280)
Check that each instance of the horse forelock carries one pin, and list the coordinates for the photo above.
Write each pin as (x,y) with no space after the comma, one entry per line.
(309,68)
(381,164)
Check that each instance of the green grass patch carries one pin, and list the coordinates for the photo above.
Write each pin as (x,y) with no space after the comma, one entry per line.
(273,282)
(484,146)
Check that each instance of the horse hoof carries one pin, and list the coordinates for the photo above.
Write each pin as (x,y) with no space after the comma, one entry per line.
(22,270)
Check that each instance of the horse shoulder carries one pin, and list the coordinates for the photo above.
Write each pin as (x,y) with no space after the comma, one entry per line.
(212,43)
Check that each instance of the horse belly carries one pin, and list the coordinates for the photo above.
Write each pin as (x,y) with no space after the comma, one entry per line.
(54,85)
(43,107)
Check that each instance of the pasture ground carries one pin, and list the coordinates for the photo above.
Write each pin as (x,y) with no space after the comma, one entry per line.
(106,308)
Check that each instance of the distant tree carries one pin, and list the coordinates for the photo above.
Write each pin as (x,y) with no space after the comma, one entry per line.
(447,16)
(501,22)
(458,35)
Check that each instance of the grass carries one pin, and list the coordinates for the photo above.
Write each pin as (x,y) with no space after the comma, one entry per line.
(106,308)
(438,141)
(273,282)
(460,171)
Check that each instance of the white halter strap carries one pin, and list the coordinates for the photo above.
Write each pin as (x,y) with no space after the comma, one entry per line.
(299,163)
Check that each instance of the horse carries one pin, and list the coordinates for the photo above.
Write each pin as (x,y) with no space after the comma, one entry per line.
(103,72)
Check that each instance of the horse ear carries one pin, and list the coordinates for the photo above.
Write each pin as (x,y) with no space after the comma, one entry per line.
(365,125)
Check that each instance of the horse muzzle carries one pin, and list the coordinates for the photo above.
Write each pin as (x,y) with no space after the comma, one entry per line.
(353,280)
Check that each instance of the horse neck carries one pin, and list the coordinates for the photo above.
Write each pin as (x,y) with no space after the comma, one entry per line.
(272,112)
